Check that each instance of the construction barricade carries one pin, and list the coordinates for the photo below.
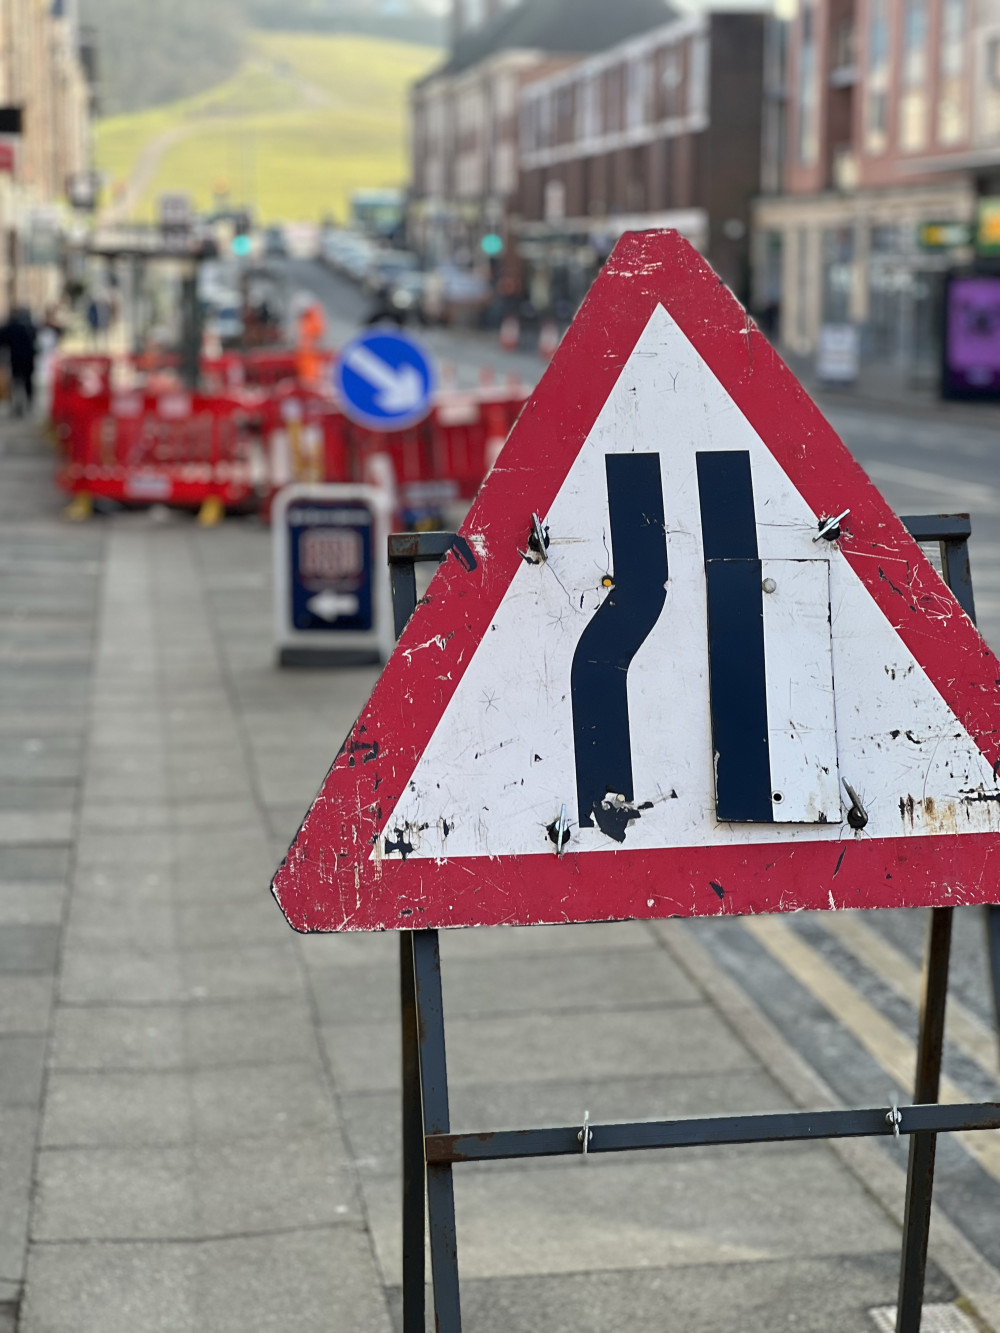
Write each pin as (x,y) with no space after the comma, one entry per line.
(238,444)
(173,448)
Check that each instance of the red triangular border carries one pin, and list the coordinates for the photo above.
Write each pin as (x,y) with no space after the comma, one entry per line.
(328,880)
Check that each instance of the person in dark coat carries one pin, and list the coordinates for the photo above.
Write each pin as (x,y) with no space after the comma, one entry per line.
(20,338)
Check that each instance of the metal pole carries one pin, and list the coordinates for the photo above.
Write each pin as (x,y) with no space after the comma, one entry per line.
(920,1173)
(414,1183)
(434,1085)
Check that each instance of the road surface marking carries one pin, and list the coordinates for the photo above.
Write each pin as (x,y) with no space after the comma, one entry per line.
(872,1030)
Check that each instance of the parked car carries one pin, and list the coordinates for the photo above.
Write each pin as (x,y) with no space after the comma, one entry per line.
(400,300)
(455,295)
(387,267)
(275,244)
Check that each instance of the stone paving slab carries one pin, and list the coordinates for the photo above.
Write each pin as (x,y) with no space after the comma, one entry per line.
(306,1281)
(182,1193)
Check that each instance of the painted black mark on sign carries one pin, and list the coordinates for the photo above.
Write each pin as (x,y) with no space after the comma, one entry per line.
(624,620)
(735,637)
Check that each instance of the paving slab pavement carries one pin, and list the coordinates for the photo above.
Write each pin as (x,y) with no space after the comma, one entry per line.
(200,1112)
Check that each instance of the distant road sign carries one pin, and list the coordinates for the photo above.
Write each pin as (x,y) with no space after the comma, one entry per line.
(331,585)
(385,380)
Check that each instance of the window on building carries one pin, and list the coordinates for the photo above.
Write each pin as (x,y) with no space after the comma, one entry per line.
(672,81)
(913,78)
(988,93)
(697,83)
(952,126)
(808,91)
(877,100)
(638,93)
(588,109)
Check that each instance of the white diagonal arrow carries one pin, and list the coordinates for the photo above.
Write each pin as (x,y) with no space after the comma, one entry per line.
(330,606)
(398,389)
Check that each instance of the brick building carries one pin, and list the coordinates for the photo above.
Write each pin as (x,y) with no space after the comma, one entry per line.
(465,115)
(662,130)
(891,120)
(43,86)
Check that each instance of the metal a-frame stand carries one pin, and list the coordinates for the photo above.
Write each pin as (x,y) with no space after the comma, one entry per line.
(430,1149)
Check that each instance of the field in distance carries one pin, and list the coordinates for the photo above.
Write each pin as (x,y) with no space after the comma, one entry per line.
(307,120)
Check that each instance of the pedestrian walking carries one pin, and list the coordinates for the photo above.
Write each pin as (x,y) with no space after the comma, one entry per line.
(20,338)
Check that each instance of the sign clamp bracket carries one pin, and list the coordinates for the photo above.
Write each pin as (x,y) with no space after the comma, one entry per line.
(430,1149)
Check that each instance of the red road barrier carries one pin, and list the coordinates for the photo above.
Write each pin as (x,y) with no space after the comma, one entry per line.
(175,448)
(238,445)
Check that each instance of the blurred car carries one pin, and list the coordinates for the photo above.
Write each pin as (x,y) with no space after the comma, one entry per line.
(275,244)
(226,324)
(387,267)
(400,300)
(455,295)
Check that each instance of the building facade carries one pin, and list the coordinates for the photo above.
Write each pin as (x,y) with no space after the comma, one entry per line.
(663,130)
(43,87)
(465,116)
(890,121)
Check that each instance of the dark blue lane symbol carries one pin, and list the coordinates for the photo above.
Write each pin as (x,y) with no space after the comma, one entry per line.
(622,623)
(737,680)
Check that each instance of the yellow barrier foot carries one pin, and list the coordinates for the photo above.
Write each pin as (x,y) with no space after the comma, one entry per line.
(212,511)
(80,508)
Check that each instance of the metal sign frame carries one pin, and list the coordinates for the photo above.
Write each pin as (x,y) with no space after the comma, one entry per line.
(431,1149)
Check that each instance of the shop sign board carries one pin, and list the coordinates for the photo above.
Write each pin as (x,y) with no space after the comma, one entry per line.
(332,601)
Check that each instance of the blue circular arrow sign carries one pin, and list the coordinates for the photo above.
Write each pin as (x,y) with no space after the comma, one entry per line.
(385,380)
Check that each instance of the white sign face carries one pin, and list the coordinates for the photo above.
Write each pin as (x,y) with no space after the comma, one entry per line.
(761,675)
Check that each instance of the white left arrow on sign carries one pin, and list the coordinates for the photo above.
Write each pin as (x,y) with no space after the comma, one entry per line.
(330,606)
(398,388)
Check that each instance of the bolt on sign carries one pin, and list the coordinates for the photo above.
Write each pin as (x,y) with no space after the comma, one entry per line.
(682,661)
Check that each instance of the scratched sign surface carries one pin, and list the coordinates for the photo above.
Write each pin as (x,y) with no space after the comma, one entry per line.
(689,691)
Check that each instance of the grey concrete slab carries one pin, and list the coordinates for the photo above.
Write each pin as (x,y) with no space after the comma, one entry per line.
(49,865)
(128,882)
(36,827)
(554,983)
(31,947)
(320,1281)
(253,971)
(123,977)
(30,903)
(184,1036)
(22,1059)
(165,1108)
(192,1192)
(538,1047)
(18,1129)
(666,1209)
(112,1038)
(25,1002)
(372,1120)
(791,1295)
(120,924)
(232,924)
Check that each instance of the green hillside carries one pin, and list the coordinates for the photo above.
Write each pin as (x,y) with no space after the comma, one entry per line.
(304,122)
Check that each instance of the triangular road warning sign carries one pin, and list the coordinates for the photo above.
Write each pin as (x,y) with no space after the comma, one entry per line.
(696,703)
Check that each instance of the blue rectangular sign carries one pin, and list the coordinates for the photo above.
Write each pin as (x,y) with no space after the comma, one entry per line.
(330,543)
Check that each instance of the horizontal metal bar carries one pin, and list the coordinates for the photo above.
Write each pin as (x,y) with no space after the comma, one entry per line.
(778,1127)
(405,547)
(938,527)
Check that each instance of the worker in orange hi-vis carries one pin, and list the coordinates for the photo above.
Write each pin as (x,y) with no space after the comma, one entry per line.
(309,359)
